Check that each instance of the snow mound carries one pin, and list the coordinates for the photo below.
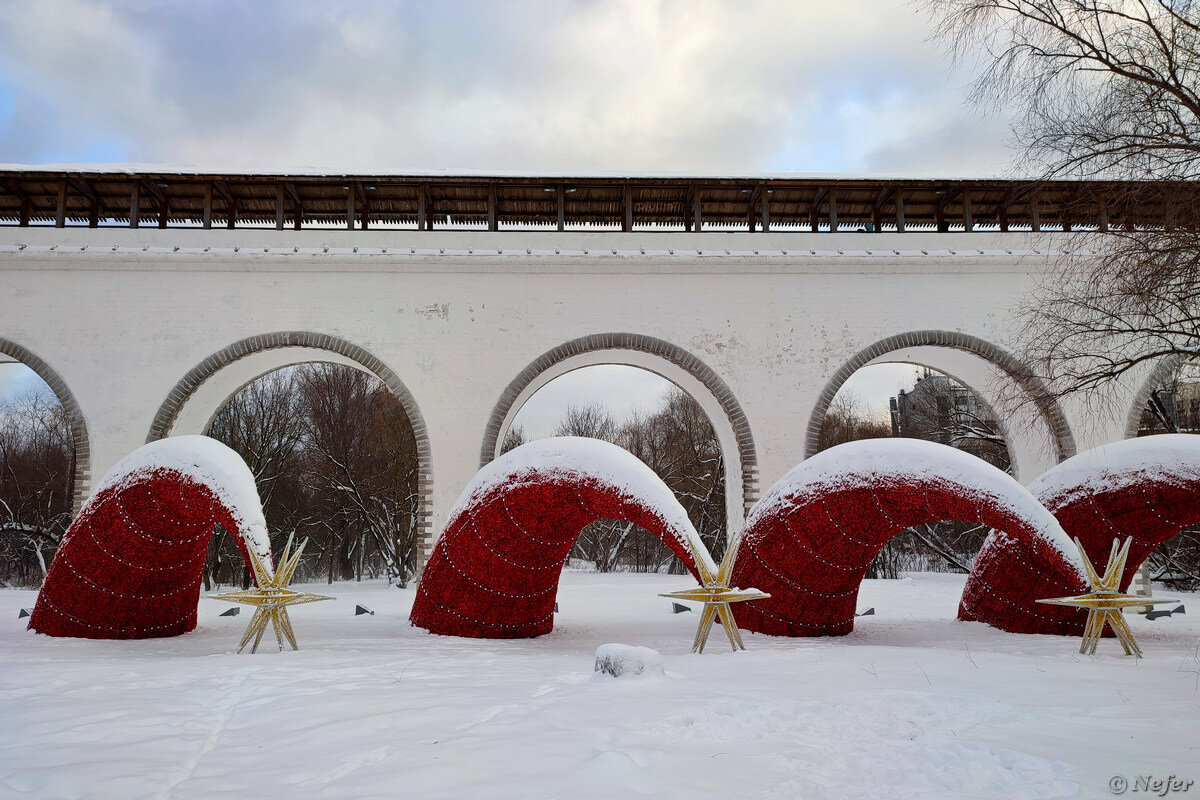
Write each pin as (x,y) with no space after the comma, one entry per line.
(209,463)
(625,659)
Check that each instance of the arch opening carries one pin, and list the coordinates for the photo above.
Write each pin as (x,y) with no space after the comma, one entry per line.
(1167,403)
(661,425)
(44,463)
(901,400)
(335,463)
(193,405)
(1029,417)
(664,359)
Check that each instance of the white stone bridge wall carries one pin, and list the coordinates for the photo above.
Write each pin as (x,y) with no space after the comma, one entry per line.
(145,333)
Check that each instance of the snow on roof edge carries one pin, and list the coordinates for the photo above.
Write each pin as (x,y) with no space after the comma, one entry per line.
(132,168)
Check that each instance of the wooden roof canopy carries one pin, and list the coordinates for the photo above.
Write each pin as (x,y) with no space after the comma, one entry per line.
(172,199)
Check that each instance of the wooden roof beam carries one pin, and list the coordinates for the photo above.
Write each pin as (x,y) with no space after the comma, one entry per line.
(221,188)
(877,207)
(83,187)
(95,202)
(13,189)
(946,196)
(814,208)
(60,214)
(26,201)
(1002,209)
(289,189)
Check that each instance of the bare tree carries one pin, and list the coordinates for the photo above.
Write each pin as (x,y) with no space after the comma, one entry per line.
(940,409)
(1105,89)
(37,466)
(514,437)
(847,421)
(590,420)
(678,442)
(1101,89)
(261,423)
(361,463)
(334,457)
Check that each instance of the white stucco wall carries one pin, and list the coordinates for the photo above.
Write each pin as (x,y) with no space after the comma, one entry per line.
(122,326)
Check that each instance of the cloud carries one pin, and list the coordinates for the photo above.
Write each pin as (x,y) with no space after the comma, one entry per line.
(17,380)
(620,390)
(527,85)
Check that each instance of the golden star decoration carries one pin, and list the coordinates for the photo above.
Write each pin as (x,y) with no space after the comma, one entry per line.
(716,595)
(272,597)
(1105,602)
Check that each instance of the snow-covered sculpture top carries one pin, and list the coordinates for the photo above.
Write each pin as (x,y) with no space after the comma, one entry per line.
(494,572)
(131,563)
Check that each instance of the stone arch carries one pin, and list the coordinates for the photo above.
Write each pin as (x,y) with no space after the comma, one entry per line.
(662,358)
(1163,369)
(79,433)
(1009,365)
(336,350)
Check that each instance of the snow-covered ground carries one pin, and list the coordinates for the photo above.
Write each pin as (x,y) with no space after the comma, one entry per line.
(912,704)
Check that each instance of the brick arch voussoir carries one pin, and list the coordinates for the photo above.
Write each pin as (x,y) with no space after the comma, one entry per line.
(169,409)
(665,350)
(1016,370)
(79,432)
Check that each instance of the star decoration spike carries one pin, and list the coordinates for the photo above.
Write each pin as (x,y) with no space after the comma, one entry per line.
(272,597)
(716,595)
(1105,602)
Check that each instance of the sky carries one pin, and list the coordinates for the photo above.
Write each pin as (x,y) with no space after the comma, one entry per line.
(624,390)
(703,86)
(533,86)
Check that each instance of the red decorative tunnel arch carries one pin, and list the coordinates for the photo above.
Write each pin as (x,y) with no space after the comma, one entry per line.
(809,541)
(494,572)
(1146,488)
(131,563)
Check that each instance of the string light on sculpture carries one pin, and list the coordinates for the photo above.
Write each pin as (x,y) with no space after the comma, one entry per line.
(1105,602)
(271,598)
(716,595)
(129,566)
(811,538)
(495,569)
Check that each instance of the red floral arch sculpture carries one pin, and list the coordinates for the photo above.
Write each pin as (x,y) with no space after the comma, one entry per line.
(130,565)
(809,541)
(494,571)
(1146,488)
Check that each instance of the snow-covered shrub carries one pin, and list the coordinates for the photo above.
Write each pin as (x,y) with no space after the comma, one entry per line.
(626,659)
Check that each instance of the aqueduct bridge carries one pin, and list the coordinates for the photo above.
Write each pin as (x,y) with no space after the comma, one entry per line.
(145,331)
